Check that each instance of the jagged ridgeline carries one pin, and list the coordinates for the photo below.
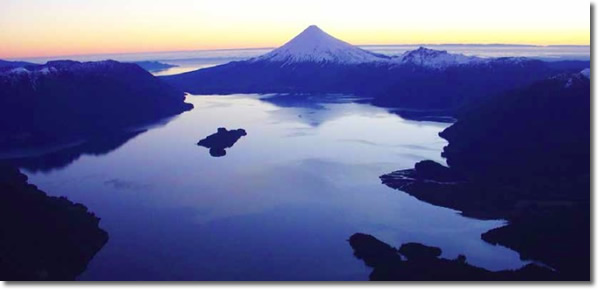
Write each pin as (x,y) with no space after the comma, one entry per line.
(316,62)
(61,100)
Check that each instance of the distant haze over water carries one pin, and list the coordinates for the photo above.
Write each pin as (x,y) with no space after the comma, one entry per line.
(193,60)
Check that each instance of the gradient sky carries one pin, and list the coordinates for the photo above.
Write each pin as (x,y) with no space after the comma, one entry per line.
(30,28)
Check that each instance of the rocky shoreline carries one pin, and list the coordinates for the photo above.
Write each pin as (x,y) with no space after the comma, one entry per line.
(523,157)
(418,262)
(43,238)
(555,232)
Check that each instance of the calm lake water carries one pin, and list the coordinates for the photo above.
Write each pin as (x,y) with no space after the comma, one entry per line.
(280,205)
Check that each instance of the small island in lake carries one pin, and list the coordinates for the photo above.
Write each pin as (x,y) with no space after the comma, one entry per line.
(223,139)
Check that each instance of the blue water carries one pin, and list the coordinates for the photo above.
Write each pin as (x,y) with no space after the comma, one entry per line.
(279,206)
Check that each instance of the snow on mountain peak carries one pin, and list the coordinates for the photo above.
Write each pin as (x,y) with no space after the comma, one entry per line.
(316,46)
(52,67)
(437,59)
(19,71)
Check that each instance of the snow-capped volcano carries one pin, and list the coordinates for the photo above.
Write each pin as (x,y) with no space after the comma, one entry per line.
(435,58)
(313,45)
(315,62)
(316,46)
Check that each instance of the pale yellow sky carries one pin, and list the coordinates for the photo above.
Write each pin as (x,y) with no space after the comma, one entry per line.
(30,28)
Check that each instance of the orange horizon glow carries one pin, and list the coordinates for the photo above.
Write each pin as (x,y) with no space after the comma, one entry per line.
(37,28)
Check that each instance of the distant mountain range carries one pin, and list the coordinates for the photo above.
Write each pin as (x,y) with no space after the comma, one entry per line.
(42,104)
(13,64)
(424,79)
(150,66)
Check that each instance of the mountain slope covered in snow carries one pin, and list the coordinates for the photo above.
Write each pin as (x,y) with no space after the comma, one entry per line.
(436,58)
(315,45)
